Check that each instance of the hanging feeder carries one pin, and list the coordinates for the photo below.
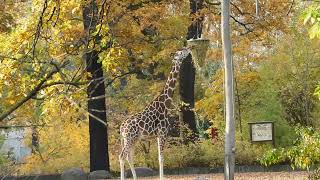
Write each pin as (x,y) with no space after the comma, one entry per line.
(199,48)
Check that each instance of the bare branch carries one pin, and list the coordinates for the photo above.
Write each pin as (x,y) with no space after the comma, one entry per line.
(33,92)
(245,25)
(290,8)
(110,81)
(39,28)
(86,111)
(24,126)
(76,84)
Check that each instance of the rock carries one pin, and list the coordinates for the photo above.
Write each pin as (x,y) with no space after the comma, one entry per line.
(141,172)
(200,178)
(73,174)
(100,174)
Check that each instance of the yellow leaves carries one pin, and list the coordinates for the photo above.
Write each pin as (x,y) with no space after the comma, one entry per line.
(112,59)
(101,28)
(74,10)
(212,104)
(12,101)
(62,145)
(64,141)
(248,78)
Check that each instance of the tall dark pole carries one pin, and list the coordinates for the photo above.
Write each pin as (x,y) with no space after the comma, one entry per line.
(229,94)
(188,71)
(99,158)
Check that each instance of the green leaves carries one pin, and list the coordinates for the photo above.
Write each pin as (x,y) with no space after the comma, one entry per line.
(304,154)
(312,15)
(314,31)
(273,156)
(317,91)
(306,17)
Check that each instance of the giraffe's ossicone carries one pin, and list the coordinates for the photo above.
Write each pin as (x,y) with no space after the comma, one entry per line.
(153,120)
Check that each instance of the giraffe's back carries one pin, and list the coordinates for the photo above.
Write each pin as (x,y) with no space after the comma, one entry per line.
(150,121)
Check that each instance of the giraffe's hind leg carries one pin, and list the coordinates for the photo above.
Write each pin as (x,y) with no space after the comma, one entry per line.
(122,155)
(130,161)
(161,142)
(126,153)
(122,168)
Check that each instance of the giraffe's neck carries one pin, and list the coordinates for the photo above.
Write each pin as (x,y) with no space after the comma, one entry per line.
(168,90)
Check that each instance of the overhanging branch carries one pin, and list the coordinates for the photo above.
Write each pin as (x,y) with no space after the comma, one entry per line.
(33,92)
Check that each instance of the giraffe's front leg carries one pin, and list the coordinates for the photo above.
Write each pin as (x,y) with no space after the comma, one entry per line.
(161,141)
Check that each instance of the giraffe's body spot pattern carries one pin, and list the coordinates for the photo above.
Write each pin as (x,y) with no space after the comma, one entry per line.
(153,120)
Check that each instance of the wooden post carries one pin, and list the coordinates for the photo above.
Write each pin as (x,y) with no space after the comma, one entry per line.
(229,94)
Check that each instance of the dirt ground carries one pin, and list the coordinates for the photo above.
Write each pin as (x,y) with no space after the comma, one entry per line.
(301,175)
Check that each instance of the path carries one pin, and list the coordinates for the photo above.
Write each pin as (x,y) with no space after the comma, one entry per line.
(300,175)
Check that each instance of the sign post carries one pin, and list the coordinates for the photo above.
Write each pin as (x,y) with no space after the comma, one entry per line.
(262,131)
(230,131)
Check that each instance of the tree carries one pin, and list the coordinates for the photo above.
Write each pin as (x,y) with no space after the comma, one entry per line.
(42,57)
(311,15)
(99,158)
(188,71)
(253,38)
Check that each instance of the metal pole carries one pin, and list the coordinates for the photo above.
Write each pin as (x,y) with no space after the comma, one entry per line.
(229,94)
(257,8)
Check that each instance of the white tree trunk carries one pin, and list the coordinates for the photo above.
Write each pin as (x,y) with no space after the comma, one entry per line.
(229,95)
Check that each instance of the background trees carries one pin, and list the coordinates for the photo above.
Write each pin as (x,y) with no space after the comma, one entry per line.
(42,62)
(45,49)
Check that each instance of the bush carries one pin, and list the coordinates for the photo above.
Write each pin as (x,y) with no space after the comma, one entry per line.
(274,156)
(248,153)
(199,154)
(304,154)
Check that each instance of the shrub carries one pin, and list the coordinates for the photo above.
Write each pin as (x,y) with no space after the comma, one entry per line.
(305,152)
(61,146)
(248,153)
(199,154)
(273,156)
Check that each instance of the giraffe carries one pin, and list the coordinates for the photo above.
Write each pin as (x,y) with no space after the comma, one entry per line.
(152,121)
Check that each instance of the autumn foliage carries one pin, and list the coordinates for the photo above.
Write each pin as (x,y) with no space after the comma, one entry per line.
(43,77)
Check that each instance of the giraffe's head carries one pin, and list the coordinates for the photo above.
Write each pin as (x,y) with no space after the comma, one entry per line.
(180,55)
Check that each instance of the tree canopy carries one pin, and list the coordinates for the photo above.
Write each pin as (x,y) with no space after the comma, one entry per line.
(44,80)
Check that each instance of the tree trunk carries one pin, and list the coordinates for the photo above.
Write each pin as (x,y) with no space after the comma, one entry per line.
(99,158)
(195,28)
(186,89)
(187,71)
(34,129)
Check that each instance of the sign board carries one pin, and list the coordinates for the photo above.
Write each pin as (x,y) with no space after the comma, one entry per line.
(261,131)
